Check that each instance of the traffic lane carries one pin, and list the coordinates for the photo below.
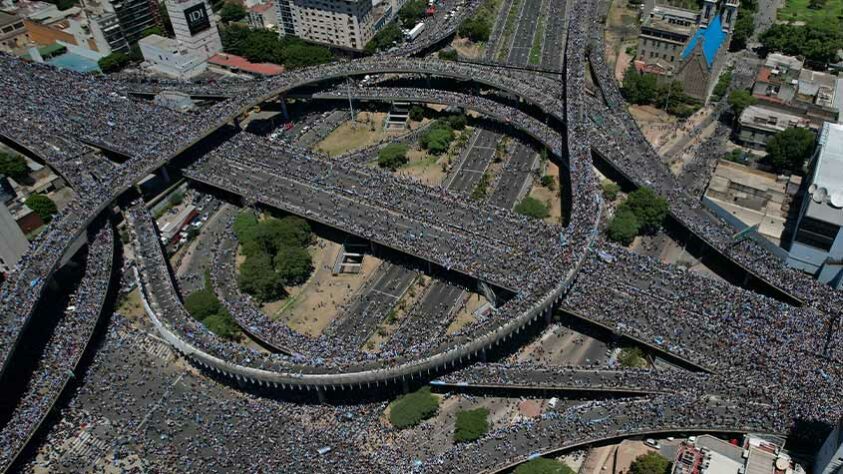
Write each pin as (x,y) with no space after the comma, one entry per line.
(513,177)
(519,55)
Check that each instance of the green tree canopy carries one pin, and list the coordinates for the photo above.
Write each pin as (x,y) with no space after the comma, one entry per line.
(384,39)
(222,325)
(790,149)
(649,208)
(532,207)
(13,166)
(471,424)
(113,62)
(202,304)
(393,156)
(293,264)
(438,137)
(610,190)
(259,279)
(549,182)
(476,29)
(739,100)
(624,227)
(543,466)
(632,357)
(264,46)
(232,12)
(412,12)
(457,121)
(650,463)
(448,54)
(639,88)
(244,225)
(42,205)
(416,113)
(413,408)
(818,40)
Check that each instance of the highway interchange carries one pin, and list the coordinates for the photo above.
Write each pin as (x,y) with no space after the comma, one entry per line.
(488,243)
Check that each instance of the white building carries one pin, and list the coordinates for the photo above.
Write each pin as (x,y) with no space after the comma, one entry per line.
(817,244)
(343,23)
(166,56)
(263,16)
(194,26)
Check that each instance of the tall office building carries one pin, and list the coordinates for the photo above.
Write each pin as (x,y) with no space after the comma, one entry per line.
(343,23)
(817,244)
(120,23)
(194,26)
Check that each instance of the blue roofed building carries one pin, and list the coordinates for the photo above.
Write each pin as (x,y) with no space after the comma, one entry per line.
(677,49)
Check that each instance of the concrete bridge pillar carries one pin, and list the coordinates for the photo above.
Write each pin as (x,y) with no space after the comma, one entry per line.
(165,174)
(405,386)
(320,395)
(548,316)
(282,100)
(483,355)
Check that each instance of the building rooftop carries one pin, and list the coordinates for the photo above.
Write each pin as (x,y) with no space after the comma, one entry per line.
(818,85)
(711,37)
(261,8)
(160,42)
(771,120)
(827,184)
(780,61)
(7,19)
(231,61)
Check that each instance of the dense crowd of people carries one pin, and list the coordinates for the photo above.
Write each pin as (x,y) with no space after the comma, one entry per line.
(62,351)
(768,345)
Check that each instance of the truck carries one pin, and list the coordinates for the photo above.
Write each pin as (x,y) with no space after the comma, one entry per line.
(415,32)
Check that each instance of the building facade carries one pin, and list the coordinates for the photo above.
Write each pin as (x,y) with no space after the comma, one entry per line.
(757,125)
(817,243)
(165,56)
(194,27)
(13,244)
(346,24)
(685,46)
(263,16)
(13,33)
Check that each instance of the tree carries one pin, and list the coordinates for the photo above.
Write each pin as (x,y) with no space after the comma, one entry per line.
(413,408)
(638,88)
(457,121)
(42,205)
(416,113)
(744,28)
(177,198)
(471,424)
(789,149)
(818,40)
(113,62)
(532,207)
(222,325)
(739,100)
(816,4)
(624,227)
(293,264)
(384,39)
(411,12)
(232,12)
(13,166)
(202,304)
(649,208)
(393,156)
(244,226)
(153,30)
(259,279)
(448,54)
(610,190)
(438,138)
(650,463)
(543,466)
(549,182)
(476,29)
(632,357)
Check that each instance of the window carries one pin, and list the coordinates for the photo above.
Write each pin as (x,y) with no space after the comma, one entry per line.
(817,233)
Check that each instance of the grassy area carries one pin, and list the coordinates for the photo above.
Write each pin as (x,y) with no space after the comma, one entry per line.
(509,28)
(632,357)
(130,304)
(471,424)
(413,408)
(366,130)
(538,37)
(543,466)
(797,10)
